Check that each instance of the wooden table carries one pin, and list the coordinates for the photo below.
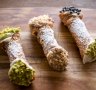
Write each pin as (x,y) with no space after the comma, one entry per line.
(76,77)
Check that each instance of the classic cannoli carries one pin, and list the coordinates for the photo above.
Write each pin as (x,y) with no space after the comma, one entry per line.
(20,72)
(41,27)
(72,18)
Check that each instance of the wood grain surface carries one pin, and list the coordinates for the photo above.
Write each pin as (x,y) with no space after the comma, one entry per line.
(48,3)
(76,77)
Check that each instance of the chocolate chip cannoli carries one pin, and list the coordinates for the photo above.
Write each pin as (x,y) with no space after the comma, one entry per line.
(41,27)
(72,18)
(20,72)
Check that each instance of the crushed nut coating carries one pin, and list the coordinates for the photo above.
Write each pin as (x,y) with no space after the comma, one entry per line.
(72,18)
(57,56)
(20,72)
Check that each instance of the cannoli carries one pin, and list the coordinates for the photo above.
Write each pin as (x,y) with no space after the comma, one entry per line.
(72,18)
(20,72)
(41,27)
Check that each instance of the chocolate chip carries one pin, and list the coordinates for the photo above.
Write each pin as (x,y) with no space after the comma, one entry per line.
(65,7)
(60,11)
(71,12)
(79,10)
(70,9)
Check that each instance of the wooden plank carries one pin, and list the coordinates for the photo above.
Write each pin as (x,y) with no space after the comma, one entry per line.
(47,3)
(77,75)
(35,3)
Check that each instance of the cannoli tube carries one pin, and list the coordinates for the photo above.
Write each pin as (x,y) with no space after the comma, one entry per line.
(20,73)
(41,27)
(72,18)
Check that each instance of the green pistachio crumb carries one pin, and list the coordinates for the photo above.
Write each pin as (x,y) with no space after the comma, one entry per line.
(21,74)
(91,50)
(6,32)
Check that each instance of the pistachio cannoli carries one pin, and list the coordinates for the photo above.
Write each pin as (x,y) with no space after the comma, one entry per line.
(72,18)
(20,72)
(41,27)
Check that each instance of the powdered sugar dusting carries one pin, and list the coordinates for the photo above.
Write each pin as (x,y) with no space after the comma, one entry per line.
(46,38)
(80,34)
(15,51)
(56,55)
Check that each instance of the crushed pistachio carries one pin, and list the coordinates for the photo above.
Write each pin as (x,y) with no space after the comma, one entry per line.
(21,74)
(6,32)
(91,50)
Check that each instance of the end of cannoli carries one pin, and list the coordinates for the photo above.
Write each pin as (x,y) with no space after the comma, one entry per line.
(67,14)
(40,21)
(58,59)
(21,74)
(8,32)
(90,53)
